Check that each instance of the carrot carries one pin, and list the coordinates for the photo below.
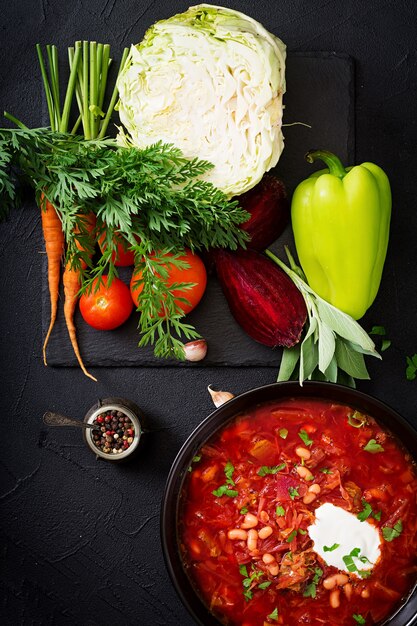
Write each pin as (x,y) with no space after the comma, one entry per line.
(72,282)
(54,247)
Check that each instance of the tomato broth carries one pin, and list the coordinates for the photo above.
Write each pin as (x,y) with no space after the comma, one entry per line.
(249,503)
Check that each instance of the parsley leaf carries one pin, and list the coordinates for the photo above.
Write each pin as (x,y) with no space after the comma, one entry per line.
(243,510)
(411,370)
(224,490)
(264,585)
(264,470)
(249,580)
(366,511)
(325,470)
(228,470)
(305,438)
(195,459)
(373,447)
(274,614)
(378,330)
(310,590)
(292,536)
(293,491)
(279,511)
(392,533)
(358,618)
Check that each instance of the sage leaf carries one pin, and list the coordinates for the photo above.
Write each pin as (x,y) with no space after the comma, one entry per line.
(331,371)
(308,357)
(353,363)
(289,360)
(344,325)
(327,345)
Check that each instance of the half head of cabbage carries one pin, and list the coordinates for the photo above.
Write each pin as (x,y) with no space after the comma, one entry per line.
(209,81)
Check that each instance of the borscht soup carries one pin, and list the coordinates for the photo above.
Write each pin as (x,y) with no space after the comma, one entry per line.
(300,511)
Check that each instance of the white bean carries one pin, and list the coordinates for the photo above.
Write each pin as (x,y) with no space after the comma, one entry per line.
(250,521)
(265,532)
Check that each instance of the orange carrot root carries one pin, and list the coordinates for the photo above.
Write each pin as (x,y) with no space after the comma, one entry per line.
(71,282)
(54,246)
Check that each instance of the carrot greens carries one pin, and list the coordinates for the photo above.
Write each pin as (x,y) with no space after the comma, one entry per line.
(153,198)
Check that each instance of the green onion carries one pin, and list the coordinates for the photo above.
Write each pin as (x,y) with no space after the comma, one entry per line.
(305,438)
(357,420)
(331,548)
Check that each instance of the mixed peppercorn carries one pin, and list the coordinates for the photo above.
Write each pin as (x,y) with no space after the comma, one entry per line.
(114,432)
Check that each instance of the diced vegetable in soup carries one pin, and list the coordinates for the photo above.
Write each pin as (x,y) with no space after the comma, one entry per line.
(301,512)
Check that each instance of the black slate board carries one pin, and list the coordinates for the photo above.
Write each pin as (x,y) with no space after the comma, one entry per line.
(320,94)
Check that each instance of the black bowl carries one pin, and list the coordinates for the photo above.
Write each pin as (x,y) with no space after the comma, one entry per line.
(406,614)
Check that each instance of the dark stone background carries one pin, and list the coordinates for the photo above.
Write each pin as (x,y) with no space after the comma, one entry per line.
(81,538)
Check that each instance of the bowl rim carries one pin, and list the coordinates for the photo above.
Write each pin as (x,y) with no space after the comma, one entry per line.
(406,433)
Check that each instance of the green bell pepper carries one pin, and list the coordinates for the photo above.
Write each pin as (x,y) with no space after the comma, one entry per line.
(340,219)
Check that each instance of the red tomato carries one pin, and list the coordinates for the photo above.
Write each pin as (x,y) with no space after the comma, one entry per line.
(122,257)
(108,307)
(195,273)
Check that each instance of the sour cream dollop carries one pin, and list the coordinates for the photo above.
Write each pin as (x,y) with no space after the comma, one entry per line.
(336,533)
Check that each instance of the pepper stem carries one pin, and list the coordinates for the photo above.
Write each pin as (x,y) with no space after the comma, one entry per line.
(331,160)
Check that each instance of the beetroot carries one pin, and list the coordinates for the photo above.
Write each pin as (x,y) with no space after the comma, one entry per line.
(269,208)
(262,298)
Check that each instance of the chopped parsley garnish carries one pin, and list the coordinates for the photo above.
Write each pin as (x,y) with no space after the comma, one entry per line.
(264,585)
(274,614)
(331,548)
(302,532)
(325,470)
(248,581)
(265,469)
(195,459)
(243,510)
(373,447)
(357,420)
(292,536)
(392,533)
(224,490)
(310,590)
(358,618)
(280,511)
(305,438)
(366,511)
(283,433)
(380,330)
(411,370)
(228,470)
(293,491)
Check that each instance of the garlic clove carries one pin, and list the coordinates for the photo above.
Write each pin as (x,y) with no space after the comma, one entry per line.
(219,397)
(195,350)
